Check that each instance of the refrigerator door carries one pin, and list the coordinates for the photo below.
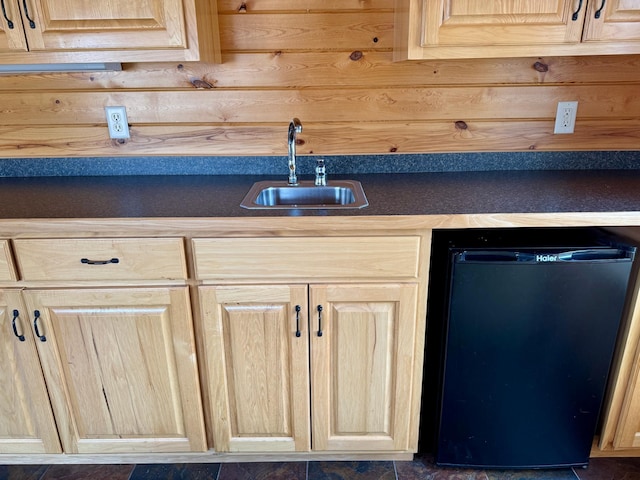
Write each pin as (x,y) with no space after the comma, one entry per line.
(529,343)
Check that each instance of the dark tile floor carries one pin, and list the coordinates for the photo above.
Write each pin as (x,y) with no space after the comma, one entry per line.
(421,468)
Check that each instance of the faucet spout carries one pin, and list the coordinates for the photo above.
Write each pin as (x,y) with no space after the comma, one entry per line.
(295,127)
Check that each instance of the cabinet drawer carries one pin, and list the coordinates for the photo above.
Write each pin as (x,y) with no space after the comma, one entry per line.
(7,270)
(358,258)
(101,259)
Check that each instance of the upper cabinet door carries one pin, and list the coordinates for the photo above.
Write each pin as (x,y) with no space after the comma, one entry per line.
(95,25)
(613,20)
(447,29)
(501,22)
(88,31)
(12,38)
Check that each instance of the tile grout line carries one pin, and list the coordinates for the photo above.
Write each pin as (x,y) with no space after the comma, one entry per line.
(44,472)
(395,469)
(306,475)
(573,469)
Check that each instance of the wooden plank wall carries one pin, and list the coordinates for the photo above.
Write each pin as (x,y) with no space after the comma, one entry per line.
(327,62)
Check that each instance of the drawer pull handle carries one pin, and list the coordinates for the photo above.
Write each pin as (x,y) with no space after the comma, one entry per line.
(599,11)
(4,12)
(99,262)
(32,24)
(575,14)
(16,314)
(36,315)
(298,321)
(319,308)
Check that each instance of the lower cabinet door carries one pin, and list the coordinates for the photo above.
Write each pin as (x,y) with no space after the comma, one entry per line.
(257,351)
(26,420)
(120,367)
(362,344)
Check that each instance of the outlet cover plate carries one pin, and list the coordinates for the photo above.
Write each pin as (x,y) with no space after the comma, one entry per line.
(566,117)
(117,122)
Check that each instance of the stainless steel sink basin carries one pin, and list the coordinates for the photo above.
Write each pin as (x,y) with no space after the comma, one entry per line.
(278,194)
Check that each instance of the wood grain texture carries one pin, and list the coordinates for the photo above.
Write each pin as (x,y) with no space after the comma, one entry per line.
(204,457)
(362,257)
(373,311)
(617,20)
(233,227)
(321,138)
(120,368)
(499,22)
(361,365)
(26,420)
(74,31)
(252,6)
(322,105)
(331,64)
(444,29)
(294,31)
(258,369)
(7,268)
(620,412)
(627,434)
(290,69)
(136,259)
(71,25)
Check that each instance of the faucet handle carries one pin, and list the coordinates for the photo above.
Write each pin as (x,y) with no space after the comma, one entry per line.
(321,175)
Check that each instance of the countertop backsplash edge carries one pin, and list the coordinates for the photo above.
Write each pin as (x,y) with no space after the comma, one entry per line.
(339,165)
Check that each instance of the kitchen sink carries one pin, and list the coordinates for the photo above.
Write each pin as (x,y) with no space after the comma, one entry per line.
(280,195)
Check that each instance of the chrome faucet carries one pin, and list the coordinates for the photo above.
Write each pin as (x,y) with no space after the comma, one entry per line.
(294,127)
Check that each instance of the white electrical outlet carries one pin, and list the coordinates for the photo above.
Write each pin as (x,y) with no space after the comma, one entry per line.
(117,122)
(566,117)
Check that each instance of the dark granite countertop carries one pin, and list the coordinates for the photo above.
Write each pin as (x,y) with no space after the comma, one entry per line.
(389,194)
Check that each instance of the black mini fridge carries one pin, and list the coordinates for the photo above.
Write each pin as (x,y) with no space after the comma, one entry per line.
(531,323)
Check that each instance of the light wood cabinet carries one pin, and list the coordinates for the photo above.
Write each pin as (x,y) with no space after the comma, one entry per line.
(621,413)
(7,269)
(120,367)
(48,31)
(358,258)
(428,29)
(101,259)
(258,367)
(361,338)
(361,364)
(351,343)
(613,21)
(12,36)
(118,357)
(26,419)
(627,433)
(113,358)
